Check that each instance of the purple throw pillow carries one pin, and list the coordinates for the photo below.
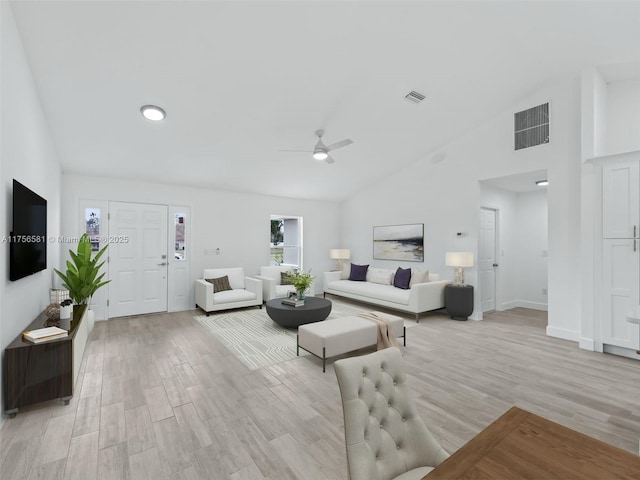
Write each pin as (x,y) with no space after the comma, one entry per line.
(358,272)
(402,278)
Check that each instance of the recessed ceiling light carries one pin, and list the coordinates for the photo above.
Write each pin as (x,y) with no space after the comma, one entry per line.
(153,113)
(542,183)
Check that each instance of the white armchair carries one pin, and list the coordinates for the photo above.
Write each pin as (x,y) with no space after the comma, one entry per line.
(245,291)
(271,281)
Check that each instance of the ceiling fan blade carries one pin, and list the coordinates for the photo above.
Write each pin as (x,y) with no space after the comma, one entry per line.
(340,144)
(305,151)
(329,160)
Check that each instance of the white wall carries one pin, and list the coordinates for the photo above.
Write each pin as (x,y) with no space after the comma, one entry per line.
(28,154)
(531,238)
(446,197)
(236,223)
(593,93)
(610,113)
(623,116)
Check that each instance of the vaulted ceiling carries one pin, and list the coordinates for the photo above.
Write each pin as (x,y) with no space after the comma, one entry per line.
(242,80)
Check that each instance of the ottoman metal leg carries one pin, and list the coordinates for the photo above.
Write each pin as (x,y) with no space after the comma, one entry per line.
(324,359)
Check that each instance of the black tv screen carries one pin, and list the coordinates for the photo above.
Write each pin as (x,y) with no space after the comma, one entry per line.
(28,239)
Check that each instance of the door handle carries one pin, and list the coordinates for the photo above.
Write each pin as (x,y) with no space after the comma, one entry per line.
(495,264)
(163,263)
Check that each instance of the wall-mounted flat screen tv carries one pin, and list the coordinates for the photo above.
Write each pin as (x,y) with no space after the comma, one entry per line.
(28,239)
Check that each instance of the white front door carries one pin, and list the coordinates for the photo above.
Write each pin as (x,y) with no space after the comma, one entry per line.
(137,259)
(487,262)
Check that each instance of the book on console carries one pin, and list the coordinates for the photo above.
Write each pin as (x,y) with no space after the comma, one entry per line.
(44,334)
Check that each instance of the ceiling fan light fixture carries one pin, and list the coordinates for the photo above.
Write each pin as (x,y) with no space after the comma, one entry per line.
(320,155)
(153,113)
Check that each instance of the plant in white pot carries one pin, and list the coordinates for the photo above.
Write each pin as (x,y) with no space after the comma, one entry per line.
(83,277)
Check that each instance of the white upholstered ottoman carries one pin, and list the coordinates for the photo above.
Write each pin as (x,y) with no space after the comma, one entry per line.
(341,335)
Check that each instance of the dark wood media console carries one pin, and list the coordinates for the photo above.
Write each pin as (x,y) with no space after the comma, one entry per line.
(37,372)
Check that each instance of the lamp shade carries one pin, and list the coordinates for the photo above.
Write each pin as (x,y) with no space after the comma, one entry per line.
(339,253)
(459,259)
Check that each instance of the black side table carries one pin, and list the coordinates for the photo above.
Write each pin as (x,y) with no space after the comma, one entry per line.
(458,300)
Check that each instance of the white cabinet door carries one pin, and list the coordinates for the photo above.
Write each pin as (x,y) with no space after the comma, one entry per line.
(621,286)
(621,200)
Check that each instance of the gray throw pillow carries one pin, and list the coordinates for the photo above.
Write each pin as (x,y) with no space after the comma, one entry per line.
(285,278)
(220,284)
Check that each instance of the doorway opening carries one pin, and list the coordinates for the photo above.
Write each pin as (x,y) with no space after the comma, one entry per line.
(513,242)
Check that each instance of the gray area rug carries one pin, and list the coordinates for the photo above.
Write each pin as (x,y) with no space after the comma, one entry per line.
(257,341)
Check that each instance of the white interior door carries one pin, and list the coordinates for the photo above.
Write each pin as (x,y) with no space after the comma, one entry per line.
(620,285)
(487,261)
(137,258)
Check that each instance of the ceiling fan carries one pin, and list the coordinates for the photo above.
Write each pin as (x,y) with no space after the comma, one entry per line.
(321,151)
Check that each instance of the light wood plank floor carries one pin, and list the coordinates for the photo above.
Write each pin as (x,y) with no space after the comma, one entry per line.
(160,398)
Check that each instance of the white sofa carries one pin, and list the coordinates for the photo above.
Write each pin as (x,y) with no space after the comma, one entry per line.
(245,291)
(421,297)
(271,281)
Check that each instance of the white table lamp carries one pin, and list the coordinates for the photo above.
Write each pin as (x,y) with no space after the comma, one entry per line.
(458,260)
(339,254)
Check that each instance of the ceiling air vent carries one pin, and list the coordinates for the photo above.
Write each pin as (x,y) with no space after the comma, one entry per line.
(414,97)
(532,127)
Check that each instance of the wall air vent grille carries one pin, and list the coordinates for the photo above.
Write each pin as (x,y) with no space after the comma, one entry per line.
(531,127)
(414,97)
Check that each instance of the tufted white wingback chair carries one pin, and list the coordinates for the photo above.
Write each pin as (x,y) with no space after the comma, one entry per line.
(385,436)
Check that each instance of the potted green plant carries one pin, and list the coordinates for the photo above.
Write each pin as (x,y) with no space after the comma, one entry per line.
(301,281)
(82,278)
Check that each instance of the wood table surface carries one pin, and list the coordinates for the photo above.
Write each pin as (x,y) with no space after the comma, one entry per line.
(521,445)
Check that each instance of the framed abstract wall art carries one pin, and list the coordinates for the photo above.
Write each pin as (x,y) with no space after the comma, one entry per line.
(399,242)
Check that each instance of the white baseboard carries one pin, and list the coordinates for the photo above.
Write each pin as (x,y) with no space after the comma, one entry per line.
(563,333)
(507,306)
(591,344)
(477,316)
(587,344)
(533,305)
(522,304)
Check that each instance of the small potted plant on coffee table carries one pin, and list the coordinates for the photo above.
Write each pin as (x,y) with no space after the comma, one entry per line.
(301,281)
